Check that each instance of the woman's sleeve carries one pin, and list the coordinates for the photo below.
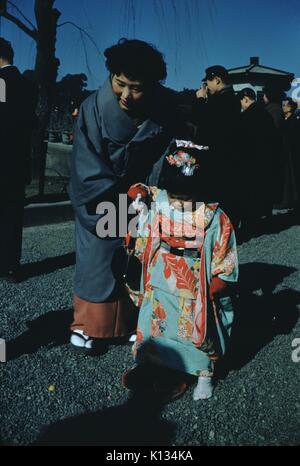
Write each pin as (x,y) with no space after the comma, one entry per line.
(224,262)
(92,178)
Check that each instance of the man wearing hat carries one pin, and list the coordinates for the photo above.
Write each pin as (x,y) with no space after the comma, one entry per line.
(216,80)
(258,161)
(216,114)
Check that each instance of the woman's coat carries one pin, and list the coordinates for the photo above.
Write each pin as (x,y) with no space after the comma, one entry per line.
(110,154)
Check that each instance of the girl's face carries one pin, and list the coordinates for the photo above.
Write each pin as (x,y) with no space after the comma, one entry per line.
(130,94)
(181,202)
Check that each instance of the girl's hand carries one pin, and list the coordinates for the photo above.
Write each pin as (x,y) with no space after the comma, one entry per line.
(138,188)
(138,204)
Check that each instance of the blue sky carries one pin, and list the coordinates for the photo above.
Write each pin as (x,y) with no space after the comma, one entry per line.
(192,34)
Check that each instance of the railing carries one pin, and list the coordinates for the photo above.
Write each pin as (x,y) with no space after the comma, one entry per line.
(62,179)
(56,135)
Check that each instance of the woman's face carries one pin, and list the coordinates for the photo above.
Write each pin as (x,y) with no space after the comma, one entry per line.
(130,94)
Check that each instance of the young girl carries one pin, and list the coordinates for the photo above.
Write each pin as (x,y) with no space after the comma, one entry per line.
(188,253)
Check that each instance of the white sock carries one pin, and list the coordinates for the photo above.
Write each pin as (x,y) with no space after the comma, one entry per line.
(77,330)
(132,338)
(204,388)
(89,343)
(79,341)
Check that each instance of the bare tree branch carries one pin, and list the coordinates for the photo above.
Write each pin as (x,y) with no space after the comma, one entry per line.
(18,22)
(85,53)
(82,32)
(23,16)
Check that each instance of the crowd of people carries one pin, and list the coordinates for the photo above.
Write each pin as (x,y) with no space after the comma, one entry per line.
(213,162)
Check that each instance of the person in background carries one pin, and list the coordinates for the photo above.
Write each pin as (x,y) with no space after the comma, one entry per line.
(17,120)
(216,112)
(272,98)
(256,131)
(291,132)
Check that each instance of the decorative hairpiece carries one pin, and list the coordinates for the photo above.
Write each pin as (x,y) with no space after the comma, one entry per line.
(189,145)
(183,160)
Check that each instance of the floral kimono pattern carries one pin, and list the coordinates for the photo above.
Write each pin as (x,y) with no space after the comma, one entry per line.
(179,326)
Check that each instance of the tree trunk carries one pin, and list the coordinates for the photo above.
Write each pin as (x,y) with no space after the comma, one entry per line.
(46,67)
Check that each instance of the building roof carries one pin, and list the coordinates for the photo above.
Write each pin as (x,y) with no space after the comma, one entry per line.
(255,68)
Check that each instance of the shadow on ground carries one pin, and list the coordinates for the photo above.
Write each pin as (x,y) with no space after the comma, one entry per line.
(271,225)
(260,313)
(52,327)
(46,266)
(138,422)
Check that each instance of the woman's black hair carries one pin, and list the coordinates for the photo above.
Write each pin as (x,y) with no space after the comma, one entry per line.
(6,50)
(137,60)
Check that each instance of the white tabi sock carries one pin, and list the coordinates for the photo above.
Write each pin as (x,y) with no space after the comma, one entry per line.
(79,339)
(132,338)
(204,388)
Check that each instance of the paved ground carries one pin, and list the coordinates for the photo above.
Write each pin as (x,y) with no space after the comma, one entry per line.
(50,395)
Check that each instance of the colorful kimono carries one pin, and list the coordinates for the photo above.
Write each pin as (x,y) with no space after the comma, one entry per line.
(179,326)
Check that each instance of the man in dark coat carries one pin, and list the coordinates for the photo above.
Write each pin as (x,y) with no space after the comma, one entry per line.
(216,112)
(121,134)
(291,133)
(273,96)
(16,125)
(258,178)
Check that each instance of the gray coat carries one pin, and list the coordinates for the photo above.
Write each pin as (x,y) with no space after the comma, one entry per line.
(110,154)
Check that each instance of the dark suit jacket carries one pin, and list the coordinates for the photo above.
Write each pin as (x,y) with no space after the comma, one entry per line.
(16,124)
(217,126)
(291,172)
(259,157)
